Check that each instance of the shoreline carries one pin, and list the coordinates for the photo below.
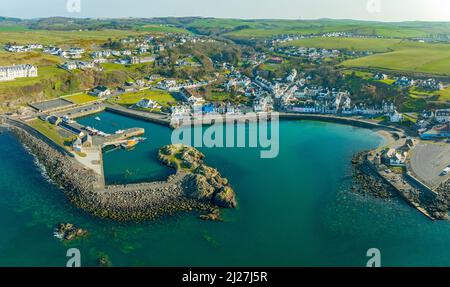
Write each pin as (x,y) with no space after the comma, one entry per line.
(236,119)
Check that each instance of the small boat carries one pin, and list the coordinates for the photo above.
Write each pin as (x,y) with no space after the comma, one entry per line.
(119,132)
(139,139)
(97,119)
(130,144)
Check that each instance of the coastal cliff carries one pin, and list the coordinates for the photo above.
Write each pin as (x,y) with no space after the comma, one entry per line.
(200,188)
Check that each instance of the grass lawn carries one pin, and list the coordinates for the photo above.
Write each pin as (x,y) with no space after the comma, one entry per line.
(110,67)
(409,118)
(364,75)
(387,81)
(441,96)
(34,58)
(409,57)
(80,99)
(163,98)
(444,95)
(227,97)
(51,132)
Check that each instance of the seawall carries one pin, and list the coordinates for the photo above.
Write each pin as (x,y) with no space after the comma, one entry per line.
(137,114)
(339,120)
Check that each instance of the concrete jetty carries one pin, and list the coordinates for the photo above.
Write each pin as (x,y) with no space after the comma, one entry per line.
(120,138)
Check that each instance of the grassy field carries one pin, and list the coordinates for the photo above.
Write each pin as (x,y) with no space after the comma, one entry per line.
(80,99)
(163,98)
(441,96)
(75,38)
(409,57)
(13,28)
(34,58)
(387,81)
(109,67)
(163,29)
(445,95)
(269,28)
(363,75)
(51,132)
(354,44)
(216,96)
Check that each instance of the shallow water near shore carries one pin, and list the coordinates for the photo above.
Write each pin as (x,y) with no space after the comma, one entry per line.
(294,210)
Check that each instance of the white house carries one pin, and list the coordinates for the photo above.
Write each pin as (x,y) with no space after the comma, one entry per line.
(100,91)
(181,111)
(263,104)
(70,66)
(292,76)
(148,104)
(17,71)
(442,116)
(395,117)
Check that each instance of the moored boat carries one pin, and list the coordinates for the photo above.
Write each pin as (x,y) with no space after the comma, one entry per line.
(129,144)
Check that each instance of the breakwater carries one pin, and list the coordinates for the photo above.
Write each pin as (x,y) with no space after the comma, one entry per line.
(120,202)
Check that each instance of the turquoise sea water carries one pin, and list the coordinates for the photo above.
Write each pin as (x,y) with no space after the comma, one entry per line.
(294,210)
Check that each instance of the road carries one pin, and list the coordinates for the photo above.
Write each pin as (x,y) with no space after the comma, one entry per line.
(428,160)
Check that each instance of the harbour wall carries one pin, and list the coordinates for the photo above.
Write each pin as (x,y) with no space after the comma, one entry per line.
(33,132)
(122,202)
(137,115)
(336,119)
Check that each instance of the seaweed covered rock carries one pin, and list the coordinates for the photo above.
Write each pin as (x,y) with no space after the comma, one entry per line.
(69,232)
(225,198)
(214,215)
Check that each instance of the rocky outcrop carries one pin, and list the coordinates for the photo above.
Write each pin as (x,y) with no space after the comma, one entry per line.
(440,205)
(214,215)
(203,183)
(104,261)
(69,232)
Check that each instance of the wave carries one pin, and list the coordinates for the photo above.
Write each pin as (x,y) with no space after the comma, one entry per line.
(39,166)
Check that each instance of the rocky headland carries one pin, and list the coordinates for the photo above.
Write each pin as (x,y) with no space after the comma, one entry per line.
(204,183)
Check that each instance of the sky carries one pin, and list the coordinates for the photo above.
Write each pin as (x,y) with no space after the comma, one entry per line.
(379,10)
